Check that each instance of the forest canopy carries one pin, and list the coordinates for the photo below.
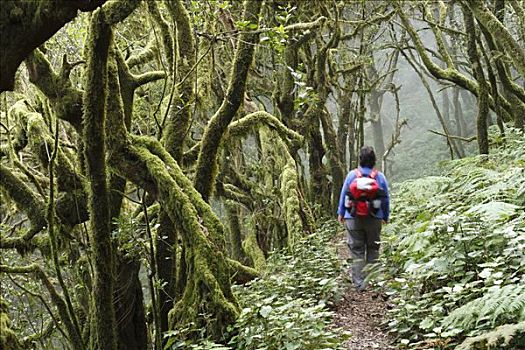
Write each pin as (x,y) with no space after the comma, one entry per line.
(155,154)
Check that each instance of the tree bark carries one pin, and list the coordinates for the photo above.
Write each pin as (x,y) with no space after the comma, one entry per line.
(483,94)
(207,161)
(27,25)
(103,327)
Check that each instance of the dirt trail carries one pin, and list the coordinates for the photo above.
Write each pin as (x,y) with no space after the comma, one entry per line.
(361,313)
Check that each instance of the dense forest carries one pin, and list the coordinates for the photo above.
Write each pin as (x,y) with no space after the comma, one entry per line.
(170,172)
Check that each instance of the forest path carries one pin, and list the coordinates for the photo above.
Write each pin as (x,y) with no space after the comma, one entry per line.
(360,313)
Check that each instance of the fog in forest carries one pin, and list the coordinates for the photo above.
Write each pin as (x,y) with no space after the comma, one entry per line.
(192,174)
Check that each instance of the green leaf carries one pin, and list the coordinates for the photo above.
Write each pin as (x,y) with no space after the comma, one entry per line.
(265,310)
(493,211)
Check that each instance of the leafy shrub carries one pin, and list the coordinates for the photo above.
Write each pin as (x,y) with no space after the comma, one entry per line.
(454,253)
(509,336)
(287,307)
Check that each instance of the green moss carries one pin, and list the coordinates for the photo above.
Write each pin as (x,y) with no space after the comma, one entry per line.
(296,217)
(41,143)
(117,11)
(103,326)
(165,31)
(241,273)
(498,30)
(206,171)
(207,290)
(247,124)
(235,233)
(215,227)
(66,99)
(450,74)
(178,123)
(148,53)
(8,337)
(26,200)
(254,252)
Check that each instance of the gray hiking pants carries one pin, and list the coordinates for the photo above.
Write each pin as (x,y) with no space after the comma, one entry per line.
(363,241)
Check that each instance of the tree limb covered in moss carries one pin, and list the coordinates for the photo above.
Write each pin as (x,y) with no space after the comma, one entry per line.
(28,24)
(218,124)
(234,193)
(465,139)
(495,27)
(483,95)
(103,329)
(28,202)
(42,145)
(146,162)
(246,124)
(67,100)
(241,273)
(149,77)
(449,74)
(176,130)
(165,32)
(179,117)
(148,53)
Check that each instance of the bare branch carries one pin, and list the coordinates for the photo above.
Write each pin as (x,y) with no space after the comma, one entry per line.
(461,138)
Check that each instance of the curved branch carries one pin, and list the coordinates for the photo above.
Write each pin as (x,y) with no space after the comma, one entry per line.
(66,99)
(148,53)
(28,24)
(244,125)
(28,202)
(218,124)
(148,77)
(496,28)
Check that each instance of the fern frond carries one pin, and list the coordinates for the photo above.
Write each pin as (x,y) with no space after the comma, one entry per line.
(508,336)
(515,306)
(508,301)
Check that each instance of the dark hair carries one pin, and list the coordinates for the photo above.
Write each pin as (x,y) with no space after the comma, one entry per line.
(367,157)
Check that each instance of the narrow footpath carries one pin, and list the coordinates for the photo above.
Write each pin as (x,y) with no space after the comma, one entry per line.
(361,313)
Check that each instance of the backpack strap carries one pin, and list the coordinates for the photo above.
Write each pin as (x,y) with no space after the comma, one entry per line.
(373,174)
(358,173)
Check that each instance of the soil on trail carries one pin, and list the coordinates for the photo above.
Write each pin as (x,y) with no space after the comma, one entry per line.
(361,313)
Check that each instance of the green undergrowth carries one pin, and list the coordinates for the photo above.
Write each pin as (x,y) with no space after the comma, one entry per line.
(289,306)
(453,258)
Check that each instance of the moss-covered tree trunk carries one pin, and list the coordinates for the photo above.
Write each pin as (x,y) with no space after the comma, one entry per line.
(511,90)
(483,94)
(214,132)
(235,233)
(207,300)
(512,48)
(176,130)
(103,324)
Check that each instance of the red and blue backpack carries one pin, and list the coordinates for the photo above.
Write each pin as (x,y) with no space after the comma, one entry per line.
(363,196)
